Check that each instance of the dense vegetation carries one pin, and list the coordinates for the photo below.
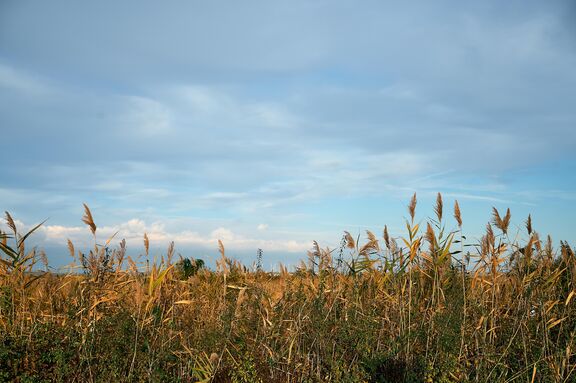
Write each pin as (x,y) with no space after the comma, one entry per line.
(428,307)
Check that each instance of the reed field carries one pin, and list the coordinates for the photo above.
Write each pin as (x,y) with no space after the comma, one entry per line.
(429,306)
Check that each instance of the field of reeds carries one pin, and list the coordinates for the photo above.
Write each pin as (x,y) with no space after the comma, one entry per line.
(430,306)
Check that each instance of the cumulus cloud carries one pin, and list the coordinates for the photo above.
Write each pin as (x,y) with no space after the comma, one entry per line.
(134,229)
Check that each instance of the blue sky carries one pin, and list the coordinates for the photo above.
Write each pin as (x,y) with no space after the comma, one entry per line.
(270,124)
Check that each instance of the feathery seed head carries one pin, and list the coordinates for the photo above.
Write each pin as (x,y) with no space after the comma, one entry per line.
(457,214)
(412,206)
(350,243)
(71,248)
(88,220)
(529,224)
(146,244)
(499,222)
(438,207)
(10,222)
(386,237)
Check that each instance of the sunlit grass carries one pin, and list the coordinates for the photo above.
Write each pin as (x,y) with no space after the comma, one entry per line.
(430,306)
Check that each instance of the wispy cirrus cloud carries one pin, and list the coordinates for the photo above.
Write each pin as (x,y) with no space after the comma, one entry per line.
(14,79)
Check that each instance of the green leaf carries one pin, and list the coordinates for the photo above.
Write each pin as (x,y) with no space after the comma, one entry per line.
(160,278)
(21,240)
(9,251)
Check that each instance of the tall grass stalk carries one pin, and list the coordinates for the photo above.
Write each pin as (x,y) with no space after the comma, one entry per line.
(414,308)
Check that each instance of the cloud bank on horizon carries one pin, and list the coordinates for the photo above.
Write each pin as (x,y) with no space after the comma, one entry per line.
(270,124)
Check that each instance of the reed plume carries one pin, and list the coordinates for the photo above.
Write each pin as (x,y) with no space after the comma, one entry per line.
(88,220)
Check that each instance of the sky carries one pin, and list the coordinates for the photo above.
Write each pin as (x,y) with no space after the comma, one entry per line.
(270,124)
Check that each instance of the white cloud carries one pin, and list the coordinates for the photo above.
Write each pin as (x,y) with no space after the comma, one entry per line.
(146,116)
(20,81)
(202,99)
(134,229)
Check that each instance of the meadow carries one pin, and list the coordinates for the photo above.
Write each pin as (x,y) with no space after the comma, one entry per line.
(429,306)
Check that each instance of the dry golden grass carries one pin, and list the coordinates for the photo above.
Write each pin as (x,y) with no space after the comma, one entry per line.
(432,309)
